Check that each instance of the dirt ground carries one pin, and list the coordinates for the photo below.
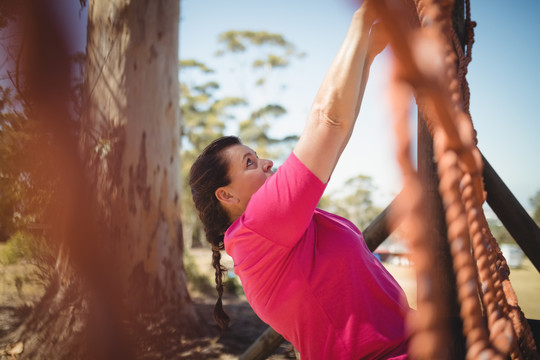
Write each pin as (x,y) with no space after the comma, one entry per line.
(245,327)
(19,291)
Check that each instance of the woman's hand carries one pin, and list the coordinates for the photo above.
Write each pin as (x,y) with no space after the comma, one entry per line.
(378,39)
(378,36)
(366,13)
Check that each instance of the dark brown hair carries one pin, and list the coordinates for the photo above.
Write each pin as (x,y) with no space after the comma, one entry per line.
(208,173)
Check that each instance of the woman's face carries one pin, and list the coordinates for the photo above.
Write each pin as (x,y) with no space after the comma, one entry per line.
(247,174)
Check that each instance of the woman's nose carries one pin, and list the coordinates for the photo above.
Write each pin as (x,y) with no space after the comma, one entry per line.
(267,166)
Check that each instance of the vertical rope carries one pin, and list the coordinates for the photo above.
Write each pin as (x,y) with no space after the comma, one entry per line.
(443,94)
(478,344)
(428,339)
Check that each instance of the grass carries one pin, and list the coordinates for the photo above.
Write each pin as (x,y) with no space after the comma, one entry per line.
(18,283)
(525,282)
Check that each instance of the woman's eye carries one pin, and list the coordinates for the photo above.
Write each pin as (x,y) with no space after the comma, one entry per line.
(249,162)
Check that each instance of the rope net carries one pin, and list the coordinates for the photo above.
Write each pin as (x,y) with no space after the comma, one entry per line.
(431,64)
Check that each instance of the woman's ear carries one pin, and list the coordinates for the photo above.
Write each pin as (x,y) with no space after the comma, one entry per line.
(225,196)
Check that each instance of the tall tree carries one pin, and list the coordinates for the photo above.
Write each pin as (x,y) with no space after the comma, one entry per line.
(208,111)
(257,58)
(131,139)
(204,116)
(353,201)
(12,126)
(119,225)
(12,139)
(42,79)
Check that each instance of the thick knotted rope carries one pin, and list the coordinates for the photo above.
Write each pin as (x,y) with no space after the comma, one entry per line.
(431,63)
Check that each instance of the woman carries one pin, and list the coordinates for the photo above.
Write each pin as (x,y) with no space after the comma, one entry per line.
(305,272)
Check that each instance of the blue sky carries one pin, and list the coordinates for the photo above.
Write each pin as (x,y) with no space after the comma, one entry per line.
(503,77)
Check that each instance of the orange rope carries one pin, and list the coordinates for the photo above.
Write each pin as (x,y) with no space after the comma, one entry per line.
(432,63)
(428,339)
(458,237)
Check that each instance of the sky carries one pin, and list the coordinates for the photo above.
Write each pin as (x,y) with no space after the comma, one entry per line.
(503,76)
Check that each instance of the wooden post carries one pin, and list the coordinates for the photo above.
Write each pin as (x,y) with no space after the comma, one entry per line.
(264,346)
(380,228)
(513,216)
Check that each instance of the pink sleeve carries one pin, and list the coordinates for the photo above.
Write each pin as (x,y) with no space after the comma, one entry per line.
(282,208)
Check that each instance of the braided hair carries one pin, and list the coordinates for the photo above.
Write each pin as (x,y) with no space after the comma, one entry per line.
(208,173)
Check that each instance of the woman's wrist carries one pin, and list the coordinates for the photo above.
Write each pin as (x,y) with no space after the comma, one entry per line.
(365,16)
(378,40)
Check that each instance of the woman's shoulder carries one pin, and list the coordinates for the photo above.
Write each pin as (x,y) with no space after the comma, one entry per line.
(336,220)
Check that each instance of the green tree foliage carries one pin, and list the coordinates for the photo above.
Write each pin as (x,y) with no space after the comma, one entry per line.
(353,201)
(255,132)
(535,203)
(26,187)
(208,113)
(12,140)
(264,53)
(204,114)
(499,232)
(25,190)
(204,117)
(10,129)
(14,133)
(274,50)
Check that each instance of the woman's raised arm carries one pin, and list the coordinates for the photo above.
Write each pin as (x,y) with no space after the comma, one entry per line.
(336,106)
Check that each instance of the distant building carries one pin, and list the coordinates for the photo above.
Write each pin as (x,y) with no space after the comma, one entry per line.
(513,255)
(394,251)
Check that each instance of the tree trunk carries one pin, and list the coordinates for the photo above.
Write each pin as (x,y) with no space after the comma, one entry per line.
(131,138)
(117,219)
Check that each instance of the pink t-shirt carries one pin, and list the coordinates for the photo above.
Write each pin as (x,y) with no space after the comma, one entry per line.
(310,276)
